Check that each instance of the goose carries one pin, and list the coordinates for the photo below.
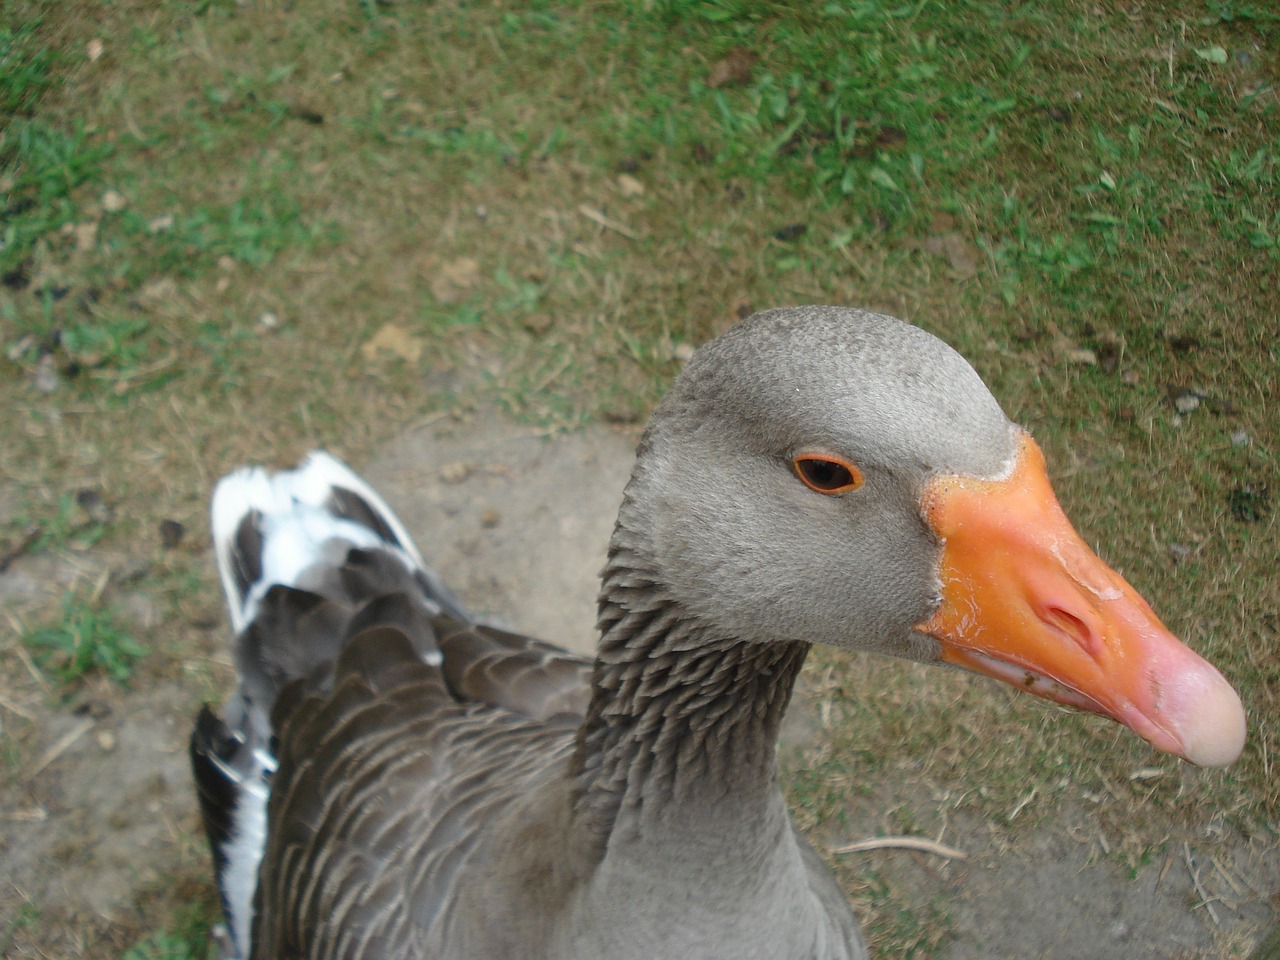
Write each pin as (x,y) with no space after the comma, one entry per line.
(393,778)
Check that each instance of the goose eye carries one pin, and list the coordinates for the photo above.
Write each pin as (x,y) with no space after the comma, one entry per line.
(826,473)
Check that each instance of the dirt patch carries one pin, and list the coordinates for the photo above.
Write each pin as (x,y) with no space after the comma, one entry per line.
(516,520)
(518,523)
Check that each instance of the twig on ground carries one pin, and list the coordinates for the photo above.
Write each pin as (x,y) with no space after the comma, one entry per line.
(905,843)
(1195,880)
(12,707)
(61,747)
(29,538)
(595,216)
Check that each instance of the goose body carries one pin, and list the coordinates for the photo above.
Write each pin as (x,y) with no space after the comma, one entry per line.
(393,779)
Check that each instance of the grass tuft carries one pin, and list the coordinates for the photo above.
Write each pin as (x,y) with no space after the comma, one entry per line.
(88,639)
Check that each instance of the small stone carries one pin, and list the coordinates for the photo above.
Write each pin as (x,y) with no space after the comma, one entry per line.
(226,263)
(113,201)
(160,224)
(268,321)
(1186,399)
(457,471)
(1240,439)
(106,740)
(683,352)
(94,48)
(490,518)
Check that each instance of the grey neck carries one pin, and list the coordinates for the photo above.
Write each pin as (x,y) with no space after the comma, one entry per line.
(682,726)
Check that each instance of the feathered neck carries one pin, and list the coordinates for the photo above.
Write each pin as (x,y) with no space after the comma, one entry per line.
(680,719)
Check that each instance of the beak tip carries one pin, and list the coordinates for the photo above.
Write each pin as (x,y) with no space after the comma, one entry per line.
(1214,731)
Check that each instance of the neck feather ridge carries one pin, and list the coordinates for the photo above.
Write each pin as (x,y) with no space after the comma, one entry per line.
(680,719)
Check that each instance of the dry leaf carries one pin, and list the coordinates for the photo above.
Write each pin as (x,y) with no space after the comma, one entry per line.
(86,235)
(629,186)
(1082,356)
(396,340)
(733,69)
(157,290)
(454,280)
(1065,349)
(962,256)
(171,534)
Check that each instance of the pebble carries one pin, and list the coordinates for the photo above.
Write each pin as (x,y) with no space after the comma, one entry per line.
(456,472)
(45,376)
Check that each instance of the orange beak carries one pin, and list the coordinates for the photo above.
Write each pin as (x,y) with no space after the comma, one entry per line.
(1026,601)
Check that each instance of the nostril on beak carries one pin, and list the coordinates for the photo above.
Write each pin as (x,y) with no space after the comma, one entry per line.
(1075,628)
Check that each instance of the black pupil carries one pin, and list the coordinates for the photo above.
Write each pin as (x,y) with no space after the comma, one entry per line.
(825,474)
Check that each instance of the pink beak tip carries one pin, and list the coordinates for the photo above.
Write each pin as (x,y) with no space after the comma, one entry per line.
(1208,719)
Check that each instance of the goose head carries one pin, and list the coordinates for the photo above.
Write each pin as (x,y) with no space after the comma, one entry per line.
(836,476)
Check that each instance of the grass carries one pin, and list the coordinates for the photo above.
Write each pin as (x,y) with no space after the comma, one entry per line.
(87,639)
(1082,198)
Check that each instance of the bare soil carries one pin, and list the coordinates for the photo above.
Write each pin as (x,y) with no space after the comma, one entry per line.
(98,810)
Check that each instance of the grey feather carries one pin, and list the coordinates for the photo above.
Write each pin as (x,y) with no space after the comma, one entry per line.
(519,802)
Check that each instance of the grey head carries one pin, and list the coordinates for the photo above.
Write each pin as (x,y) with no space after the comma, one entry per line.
(745,547)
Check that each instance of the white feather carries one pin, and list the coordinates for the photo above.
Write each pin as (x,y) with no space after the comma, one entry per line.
(244,854)
(295,525)
(298,534)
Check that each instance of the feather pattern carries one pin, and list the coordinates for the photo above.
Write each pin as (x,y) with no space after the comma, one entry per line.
(393,779)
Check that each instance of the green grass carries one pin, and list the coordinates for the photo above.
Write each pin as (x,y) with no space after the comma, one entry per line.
(164,946)
(1028,182)
(86,639)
